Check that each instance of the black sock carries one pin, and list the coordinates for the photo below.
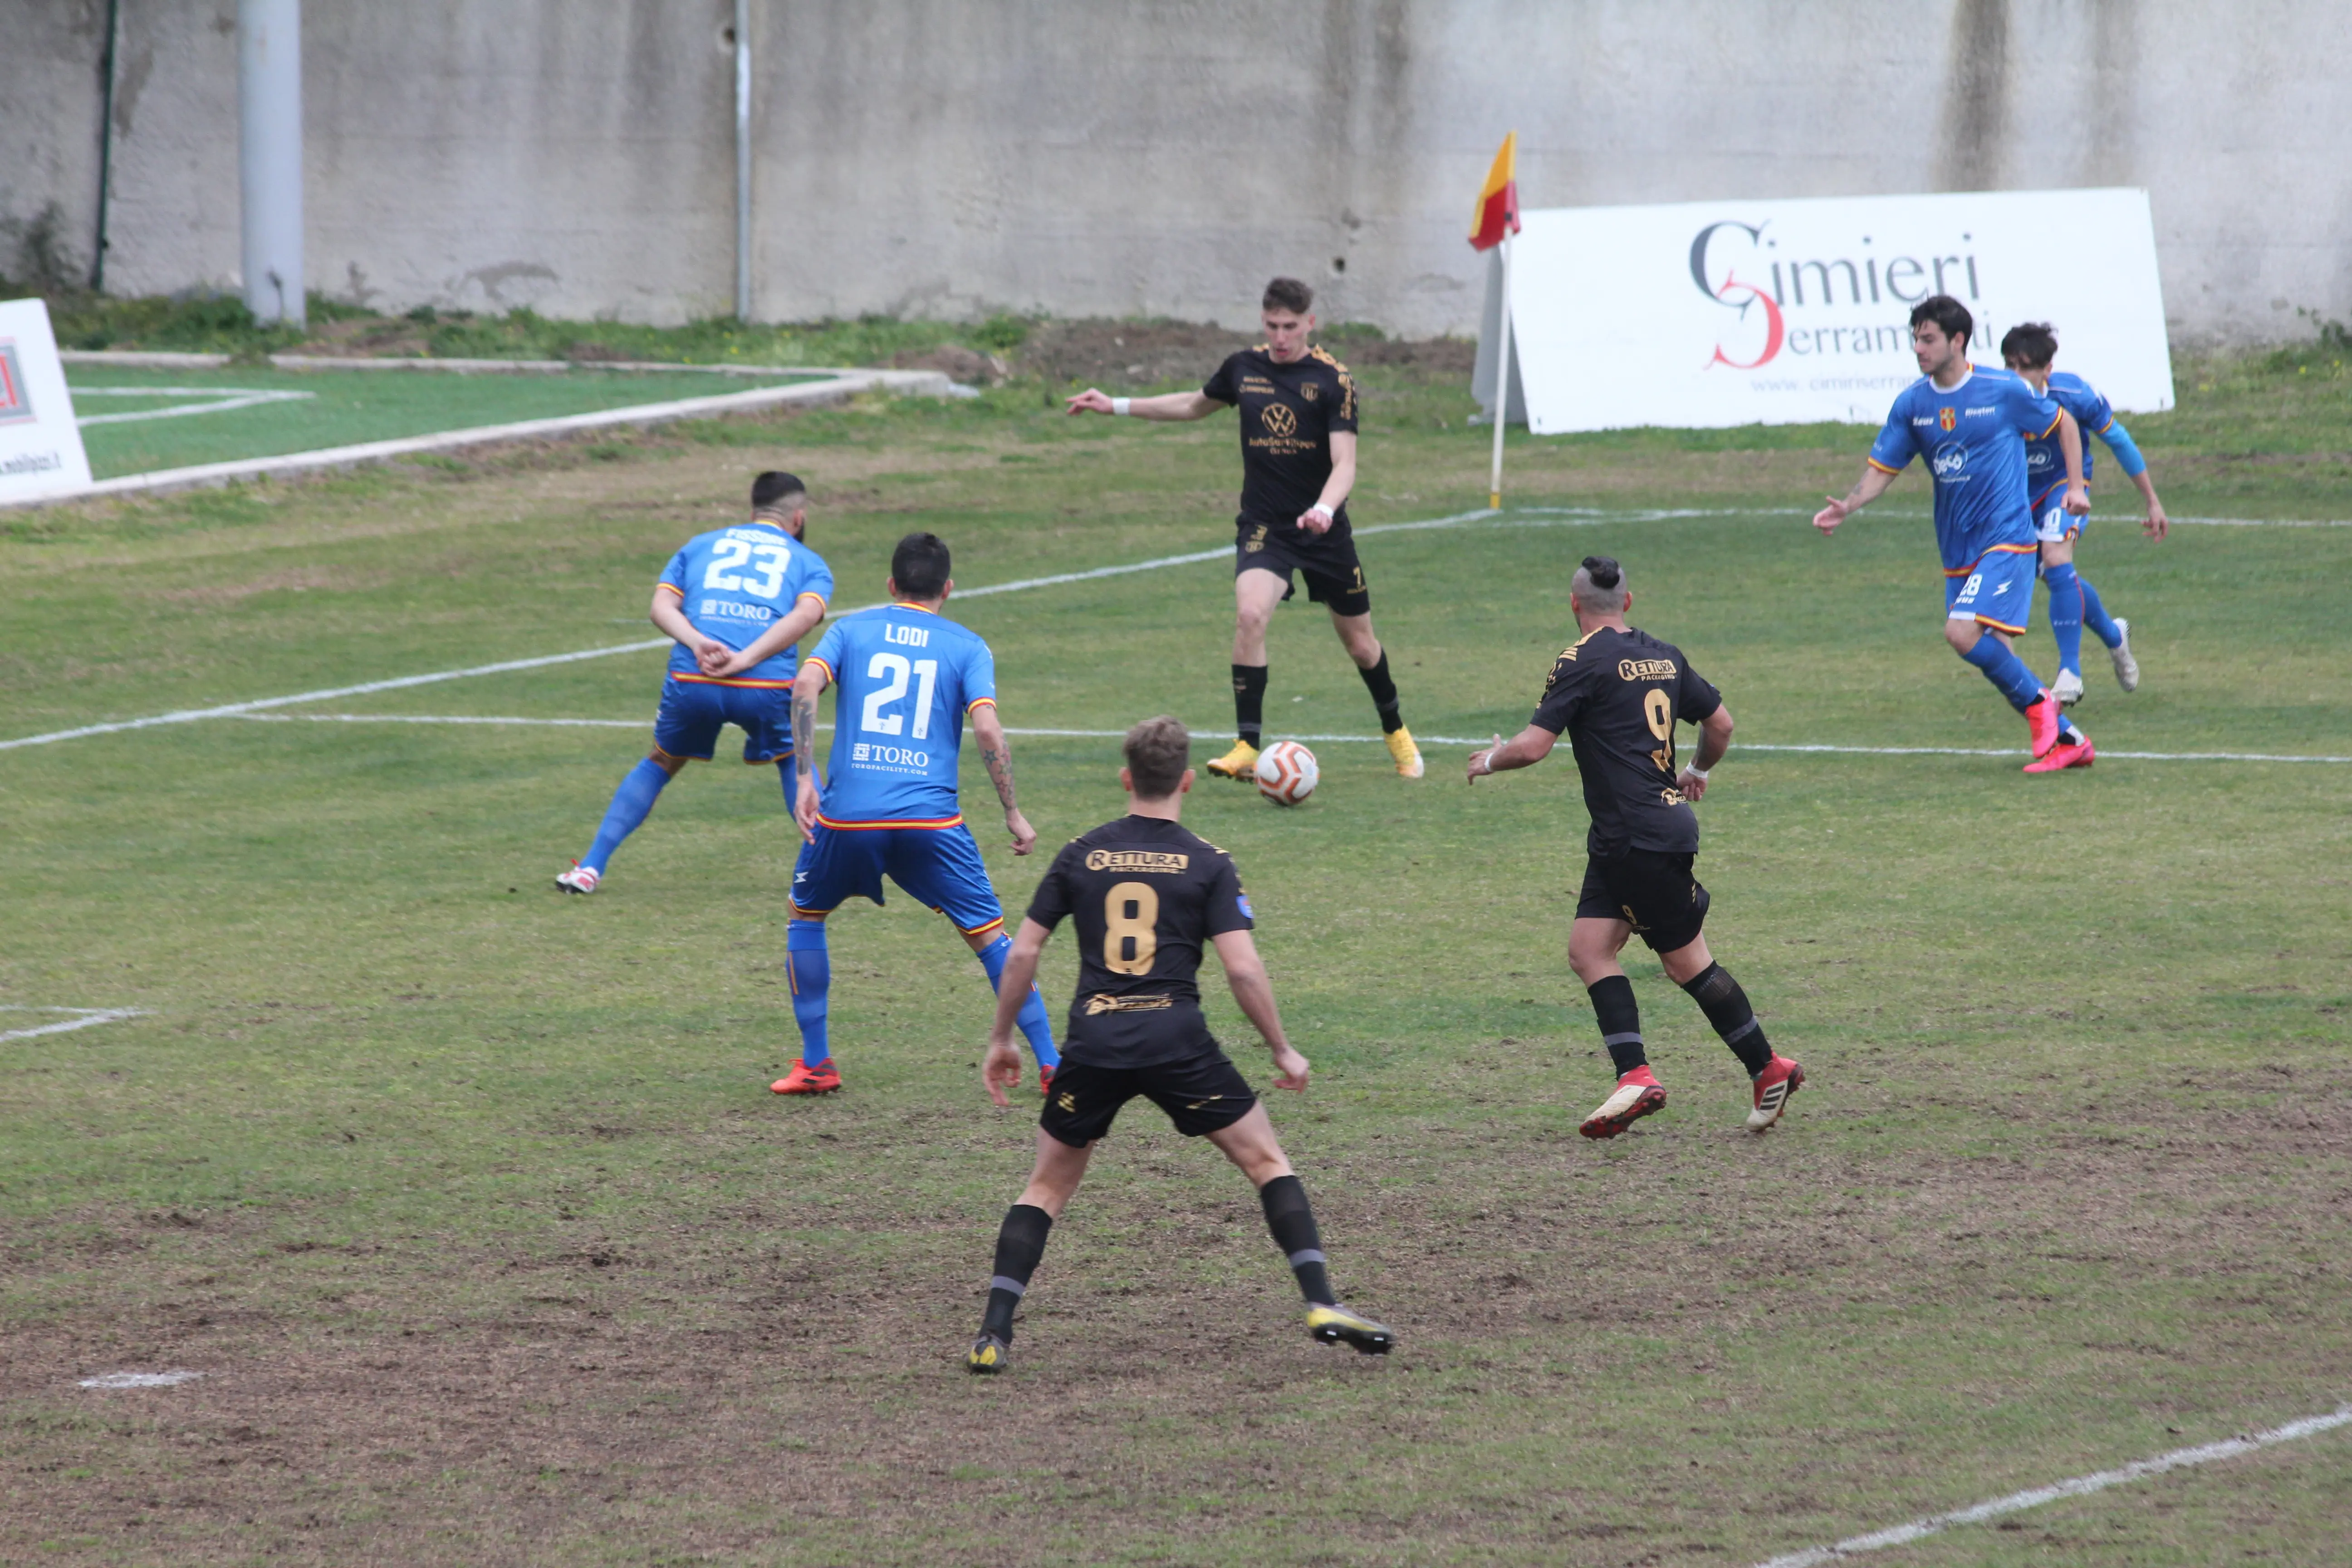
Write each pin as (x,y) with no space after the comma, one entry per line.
(1384,694)
(1620,1018)
(1020,1243)
(1291,1220)
(1249,701)
(1718,996)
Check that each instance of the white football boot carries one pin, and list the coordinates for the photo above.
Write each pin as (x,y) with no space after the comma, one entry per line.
(2067,689)
(2126,667)
(579,880)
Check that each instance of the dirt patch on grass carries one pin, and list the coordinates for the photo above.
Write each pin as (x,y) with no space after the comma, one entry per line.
(290,580)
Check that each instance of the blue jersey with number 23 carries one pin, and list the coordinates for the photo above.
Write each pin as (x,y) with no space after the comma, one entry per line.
(906,676)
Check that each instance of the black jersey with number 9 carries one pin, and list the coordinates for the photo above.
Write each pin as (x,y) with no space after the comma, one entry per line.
(1616,695)
(1145,896)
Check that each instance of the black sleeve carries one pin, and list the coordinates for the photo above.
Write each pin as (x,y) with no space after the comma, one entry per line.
(1698,698)
(1223,386)
(1050,904)
(1563,695)
(1343,405)
(1229,907)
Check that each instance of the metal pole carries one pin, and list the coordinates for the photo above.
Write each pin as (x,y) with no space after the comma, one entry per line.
(1502,382)
(105,145)
(743,159)
(269,156)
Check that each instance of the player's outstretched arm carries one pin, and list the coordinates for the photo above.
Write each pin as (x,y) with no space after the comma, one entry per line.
(802,619)
(1524,750)
(1001,1068)
(807,686)
(1714,740)
(669,615)
(996,753)
(1868,488)
(1168,408)
(2077,500)
(1245,973)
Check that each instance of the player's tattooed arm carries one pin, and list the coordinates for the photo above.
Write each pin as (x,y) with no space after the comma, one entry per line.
(996,755)
(806,686)
(1714,740)
(1868,488)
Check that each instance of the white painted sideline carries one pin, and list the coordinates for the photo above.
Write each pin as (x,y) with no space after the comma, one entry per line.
(222,400)
(85,1018)
(141,1379)
(159,359)
(1318,739)
(841,384)
(2081,1485)
(1525,516)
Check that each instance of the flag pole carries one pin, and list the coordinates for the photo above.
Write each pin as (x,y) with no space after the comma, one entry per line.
(1502,382)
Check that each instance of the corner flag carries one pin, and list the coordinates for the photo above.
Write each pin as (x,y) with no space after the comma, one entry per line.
(1499,200)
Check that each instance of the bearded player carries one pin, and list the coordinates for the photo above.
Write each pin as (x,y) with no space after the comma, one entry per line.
(1299,462)
(1617,693)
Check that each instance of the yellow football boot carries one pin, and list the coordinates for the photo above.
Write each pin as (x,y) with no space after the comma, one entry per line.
(1400,747)
(988,1355)
(1335,1325)
(1240,764)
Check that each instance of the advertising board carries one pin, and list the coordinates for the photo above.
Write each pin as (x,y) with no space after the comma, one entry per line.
(40,445)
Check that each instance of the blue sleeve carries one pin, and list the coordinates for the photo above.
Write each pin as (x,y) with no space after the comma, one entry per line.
(979,675)
(818,579)
(829,650)
(1892,449)
(2119,442)
(674,575)
(2036,414)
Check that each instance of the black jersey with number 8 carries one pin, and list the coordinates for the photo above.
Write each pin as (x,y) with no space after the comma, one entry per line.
(1616,695)
(1145,896)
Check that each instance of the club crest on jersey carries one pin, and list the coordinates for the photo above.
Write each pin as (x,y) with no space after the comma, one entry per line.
(1311,391)
(1944,419)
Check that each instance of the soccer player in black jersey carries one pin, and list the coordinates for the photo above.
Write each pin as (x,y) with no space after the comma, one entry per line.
(1299,462)
(1147,895)
(1617,693)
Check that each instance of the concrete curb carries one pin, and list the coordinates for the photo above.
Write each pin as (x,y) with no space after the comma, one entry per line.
(838,387)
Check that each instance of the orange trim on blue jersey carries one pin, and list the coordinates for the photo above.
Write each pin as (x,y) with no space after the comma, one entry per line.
(2000,626)
(812,594)
(2108,427)
(824,821)
(996,924)
(812,661)
(911,605)
(672,587)
(784,756)
(806,913)
(1881,466)
(2054,425)
(730,681)
(976,701)
(2032,549)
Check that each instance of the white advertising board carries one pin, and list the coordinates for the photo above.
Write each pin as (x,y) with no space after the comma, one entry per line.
(40,444)
(1777,313)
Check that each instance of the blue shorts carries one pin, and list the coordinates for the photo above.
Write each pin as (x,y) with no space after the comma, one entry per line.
(2052,523)
(940,867)
(1997,591)
(692,710)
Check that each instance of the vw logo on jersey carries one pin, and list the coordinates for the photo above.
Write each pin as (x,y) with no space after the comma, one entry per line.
(1279,420)
(1951,460)
(1944,420)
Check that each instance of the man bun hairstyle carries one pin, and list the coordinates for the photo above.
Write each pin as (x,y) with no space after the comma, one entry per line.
(2032,344)
(1599,585)
(1157,753)
(1946,313)
(778,491)
(919,567)
(1288,294)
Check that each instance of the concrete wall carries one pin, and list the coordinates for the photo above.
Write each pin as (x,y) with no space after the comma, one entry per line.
(947,157)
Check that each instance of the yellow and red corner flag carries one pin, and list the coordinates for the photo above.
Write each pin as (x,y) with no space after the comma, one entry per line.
(1498,199)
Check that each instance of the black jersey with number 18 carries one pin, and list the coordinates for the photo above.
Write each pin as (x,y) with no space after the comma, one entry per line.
(1147,895)
(1616,695)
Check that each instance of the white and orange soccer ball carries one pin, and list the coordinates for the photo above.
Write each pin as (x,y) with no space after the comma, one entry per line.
(1287,773)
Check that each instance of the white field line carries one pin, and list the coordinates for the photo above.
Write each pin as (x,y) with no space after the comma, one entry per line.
(1544,517)
(1366,740)
(141,1379)
(2081,1485)
(158,359)
(87,1017)
(842,383)
(220,400)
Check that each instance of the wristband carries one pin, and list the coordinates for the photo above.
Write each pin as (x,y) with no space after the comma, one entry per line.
(1697,773)
(1318,506)
(1118,406)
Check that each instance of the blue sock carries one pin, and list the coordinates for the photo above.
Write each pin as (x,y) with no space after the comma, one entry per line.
(631,802)
(1032,1017)
(2005,670)
(2095,616)
(2066,600)
(810,968)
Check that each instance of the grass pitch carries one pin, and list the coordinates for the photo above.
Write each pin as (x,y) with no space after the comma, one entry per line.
(469,1202)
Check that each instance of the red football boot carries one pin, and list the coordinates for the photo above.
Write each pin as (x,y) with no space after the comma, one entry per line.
(2042,724)
(2075,754)
(1638,1094)
(821,1078)
(1781,1079)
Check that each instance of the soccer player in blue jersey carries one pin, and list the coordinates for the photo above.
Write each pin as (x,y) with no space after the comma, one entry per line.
(908,677)
(738,601)
(1971,424)
(2029,350)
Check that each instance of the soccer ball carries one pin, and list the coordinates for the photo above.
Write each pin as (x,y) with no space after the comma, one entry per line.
(1287,773)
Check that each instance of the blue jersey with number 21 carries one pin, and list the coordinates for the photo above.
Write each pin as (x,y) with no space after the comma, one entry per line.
(733,585)
(906,678)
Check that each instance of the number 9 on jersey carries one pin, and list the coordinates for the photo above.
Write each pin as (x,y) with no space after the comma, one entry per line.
(1287,773)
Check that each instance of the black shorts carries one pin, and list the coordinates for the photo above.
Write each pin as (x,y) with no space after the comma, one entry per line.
(1650,890)
(1334,576)
(1199,1093)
